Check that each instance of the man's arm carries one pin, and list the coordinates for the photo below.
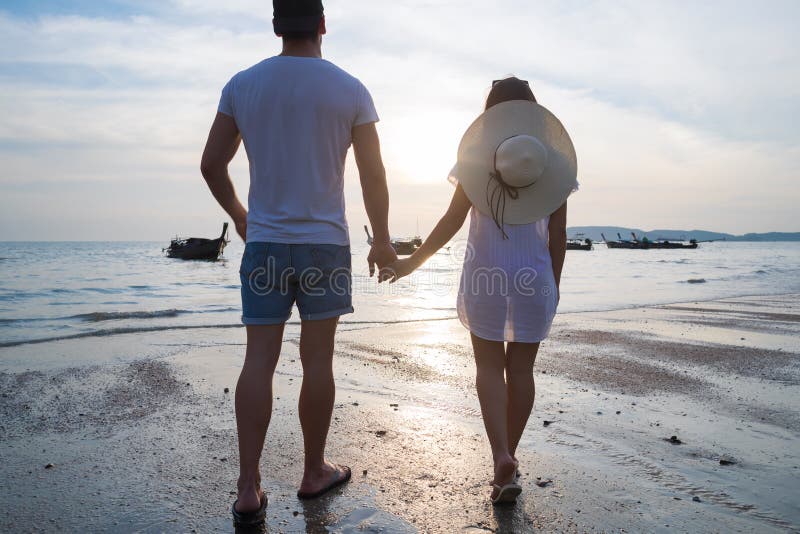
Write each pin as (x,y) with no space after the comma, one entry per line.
(557,229)
(367,149)
(223,142)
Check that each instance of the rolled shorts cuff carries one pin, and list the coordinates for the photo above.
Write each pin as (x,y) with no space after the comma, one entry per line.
(326,315)
(264,321)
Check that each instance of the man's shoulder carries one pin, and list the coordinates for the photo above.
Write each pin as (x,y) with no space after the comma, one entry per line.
(336,74)
(339,71)
(321,70)
(280,62)
(254,69)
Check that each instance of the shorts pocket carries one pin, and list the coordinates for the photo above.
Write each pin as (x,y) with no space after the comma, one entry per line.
(328,258)
(253,257)
(329,270)
(258,269)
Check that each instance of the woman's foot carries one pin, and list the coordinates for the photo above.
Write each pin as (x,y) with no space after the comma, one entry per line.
(505,469)
(505,495)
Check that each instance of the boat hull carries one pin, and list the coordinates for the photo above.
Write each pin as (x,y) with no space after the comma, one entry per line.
(198,248)
(401,247)
(648,246)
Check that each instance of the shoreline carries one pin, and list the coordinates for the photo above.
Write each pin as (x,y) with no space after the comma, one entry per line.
(345,322)
(141,433)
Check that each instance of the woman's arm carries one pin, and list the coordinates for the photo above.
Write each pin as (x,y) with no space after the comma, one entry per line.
(557,243)
(444,231)
(446,228)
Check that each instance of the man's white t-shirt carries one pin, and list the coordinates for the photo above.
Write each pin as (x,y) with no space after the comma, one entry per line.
(296,116)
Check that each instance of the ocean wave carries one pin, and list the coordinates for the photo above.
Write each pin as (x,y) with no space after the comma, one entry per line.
(112,332)
(100,316)
(104,290)
(144,329)
(96,317)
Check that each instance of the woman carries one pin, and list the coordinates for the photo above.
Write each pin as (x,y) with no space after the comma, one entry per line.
(515,169)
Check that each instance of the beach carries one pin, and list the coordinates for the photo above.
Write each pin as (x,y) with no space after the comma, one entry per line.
(677,417)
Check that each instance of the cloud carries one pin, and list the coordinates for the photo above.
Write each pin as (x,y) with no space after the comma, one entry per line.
(682,114)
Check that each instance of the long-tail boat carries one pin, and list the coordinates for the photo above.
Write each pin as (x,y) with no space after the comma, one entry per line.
(664,243)
(622,243)
(403,247)
(198,248)
(646,244)
(579,243)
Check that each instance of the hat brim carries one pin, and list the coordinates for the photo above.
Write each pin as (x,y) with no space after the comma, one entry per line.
(283,25)
(495,125)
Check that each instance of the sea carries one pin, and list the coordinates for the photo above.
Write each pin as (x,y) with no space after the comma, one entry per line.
(60,290)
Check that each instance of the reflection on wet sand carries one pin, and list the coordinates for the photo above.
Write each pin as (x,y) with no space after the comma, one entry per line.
(612,386)
(255,529)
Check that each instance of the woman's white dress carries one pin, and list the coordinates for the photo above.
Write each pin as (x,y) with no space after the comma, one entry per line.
(508,290)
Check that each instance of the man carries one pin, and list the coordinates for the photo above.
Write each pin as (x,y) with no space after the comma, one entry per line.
(297,115)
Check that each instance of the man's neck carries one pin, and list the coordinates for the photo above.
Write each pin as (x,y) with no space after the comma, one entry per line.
(302,49)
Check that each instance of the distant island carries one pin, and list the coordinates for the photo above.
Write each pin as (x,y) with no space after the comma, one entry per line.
(594,233)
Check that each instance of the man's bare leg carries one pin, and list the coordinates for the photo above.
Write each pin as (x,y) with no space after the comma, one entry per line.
(316,400)
(254,408)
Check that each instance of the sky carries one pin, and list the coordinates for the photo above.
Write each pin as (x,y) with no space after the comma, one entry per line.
(683,114)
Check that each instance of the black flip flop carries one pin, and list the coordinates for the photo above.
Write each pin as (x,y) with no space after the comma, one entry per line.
(335,482)
(250,519)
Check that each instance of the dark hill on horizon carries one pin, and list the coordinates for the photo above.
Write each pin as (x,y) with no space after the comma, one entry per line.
(594,233)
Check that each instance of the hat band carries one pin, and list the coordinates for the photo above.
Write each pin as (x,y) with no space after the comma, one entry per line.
(497,197)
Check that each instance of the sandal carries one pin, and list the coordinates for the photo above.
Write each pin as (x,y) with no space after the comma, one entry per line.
(506,494)
(249,519)
(341,476)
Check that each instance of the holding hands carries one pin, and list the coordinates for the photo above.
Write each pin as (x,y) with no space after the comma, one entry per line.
(397,270)
(381,254)
(389,266)
(443,232)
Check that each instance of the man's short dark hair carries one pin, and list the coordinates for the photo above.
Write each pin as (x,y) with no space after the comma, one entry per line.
(300,36)
(297,19)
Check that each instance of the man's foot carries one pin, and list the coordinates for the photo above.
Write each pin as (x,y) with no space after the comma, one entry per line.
(319,481)
(249,499)
(250,519)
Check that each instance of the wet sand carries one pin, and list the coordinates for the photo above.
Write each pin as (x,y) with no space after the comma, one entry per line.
(139,432)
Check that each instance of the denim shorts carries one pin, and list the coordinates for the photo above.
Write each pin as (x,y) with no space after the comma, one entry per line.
(276,275)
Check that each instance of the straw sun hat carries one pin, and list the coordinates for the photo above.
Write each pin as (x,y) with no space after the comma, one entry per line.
(516,163)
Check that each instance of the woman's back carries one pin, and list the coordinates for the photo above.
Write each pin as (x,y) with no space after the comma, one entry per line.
(508,291)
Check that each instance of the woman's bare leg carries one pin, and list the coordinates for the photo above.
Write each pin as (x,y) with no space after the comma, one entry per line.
(490,382)
(520,358)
